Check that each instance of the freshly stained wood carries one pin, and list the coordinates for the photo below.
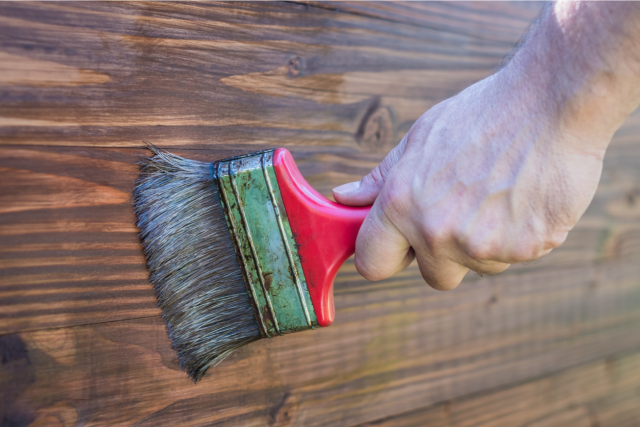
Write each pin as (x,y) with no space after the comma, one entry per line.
(70,255)
(466,18)
(603,394)
(18,70)
(254,74)
(339,84)
(393,349)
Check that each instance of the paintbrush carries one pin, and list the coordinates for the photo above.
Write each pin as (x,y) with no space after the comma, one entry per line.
(238,250)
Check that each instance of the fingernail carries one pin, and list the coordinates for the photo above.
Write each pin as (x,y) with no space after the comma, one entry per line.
(347,188)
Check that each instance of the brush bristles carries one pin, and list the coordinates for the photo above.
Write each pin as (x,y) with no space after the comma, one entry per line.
(192,261)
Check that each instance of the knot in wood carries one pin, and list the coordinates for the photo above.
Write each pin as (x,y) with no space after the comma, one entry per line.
(376,130)
(294,66)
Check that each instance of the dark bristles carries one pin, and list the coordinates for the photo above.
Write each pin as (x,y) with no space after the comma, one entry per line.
(192,261)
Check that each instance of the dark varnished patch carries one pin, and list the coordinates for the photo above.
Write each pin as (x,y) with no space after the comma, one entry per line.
(16,374)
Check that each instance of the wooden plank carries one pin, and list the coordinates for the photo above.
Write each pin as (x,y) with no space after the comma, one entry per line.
(69,254)
(396,346)
(112,74)
(602,393)
(227,74)
(385,355)
(80,334)
(69,250)
(489,22)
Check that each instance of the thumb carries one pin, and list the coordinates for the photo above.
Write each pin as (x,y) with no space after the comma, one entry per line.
(365,191)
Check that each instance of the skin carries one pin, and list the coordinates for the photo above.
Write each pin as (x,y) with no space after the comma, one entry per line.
(501,172)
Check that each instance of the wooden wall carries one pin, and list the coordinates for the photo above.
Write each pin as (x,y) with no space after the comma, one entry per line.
(553,342)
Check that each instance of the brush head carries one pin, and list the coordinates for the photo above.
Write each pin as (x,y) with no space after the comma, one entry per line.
(223,258)
(192,261)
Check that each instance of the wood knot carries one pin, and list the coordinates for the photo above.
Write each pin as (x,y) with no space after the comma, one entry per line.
(284,411)
(294,66)
(376,130)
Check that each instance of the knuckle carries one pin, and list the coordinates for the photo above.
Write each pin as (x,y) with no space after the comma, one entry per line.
(375,178)
(368,270)
(480,251)
(391,159)
(395,199)
(525,252)
(556,239)
(440,273)
(535,243)
(535,247)
(435,237)
(435,233)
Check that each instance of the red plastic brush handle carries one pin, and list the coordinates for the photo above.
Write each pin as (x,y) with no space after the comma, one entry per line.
(324,231)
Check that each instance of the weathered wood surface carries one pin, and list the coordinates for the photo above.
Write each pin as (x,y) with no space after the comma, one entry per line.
(604,394)
(81,84)
(394,349)
(228,74)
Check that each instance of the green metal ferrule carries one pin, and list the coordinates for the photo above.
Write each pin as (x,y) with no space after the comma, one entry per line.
(264,244)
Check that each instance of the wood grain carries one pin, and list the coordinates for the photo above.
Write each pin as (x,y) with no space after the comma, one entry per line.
(393,349)
(481,21)
(67,231)
(604,393)
(196,74)
(82,343)
(18,70)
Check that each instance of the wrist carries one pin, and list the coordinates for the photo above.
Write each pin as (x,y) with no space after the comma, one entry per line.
(579,68)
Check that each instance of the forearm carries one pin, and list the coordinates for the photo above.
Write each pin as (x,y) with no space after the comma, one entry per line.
(585,58)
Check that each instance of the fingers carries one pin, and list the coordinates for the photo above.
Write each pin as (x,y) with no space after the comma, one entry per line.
(443,265)
(440,272)
(487,267)
(365,191)
(381,250)
(480,266)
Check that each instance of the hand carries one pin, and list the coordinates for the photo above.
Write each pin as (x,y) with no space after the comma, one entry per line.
(501,172)
(485,179)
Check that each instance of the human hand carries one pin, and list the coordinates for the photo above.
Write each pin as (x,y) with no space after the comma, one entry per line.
(487,178)
(501,172)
